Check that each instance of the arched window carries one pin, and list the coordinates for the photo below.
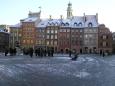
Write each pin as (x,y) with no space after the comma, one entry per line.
(75,24)
(56,23)
(53,24)
(90,24)
(49,23)
(62,24)
(67,24)
(80,24)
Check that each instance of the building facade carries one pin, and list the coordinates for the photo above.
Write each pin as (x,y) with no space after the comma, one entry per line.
(15,35)
(113,42)
(4,38)
(76,33)
(104,39)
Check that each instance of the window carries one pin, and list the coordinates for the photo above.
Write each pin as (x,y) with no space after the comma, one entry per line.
(68,30)
(104,37)
(15,34)
(48,31)
(52,31)
(55,42)
(56,23)
(53,24)
(76,30)
(55,36)
(20,35)
(51,36)
(42,30)
(52,42)
(62,24)
(90,35)
(94,30)
(75,24)
(90,30)
(24,41)
(64,30)
(48,36)
(28,41)
(86,36)
(43,36)
(49,23)
(80,24)
(80,30)
(80,36)
(47,42)
(68,36)
(90,24)
(72,31)
(32,42)
(104,44)
(67,24)
(61,30)
(40,36)
(55,31)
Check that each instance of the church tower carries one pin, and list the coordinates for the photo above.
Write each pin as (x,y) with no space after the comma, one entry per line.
(69,11)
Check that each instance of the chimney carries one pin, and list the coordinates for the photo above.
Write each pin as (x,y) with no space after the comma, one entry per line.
(50,17)
(61,17)
(85,19)
(97,17)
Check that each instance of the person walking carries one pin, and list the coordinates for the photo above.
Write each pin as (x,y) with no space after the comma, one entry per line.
(75,56)
(31,52)
(6,52)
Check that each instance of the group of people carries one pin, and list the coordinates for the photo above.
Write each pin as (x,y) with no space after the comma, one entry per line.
(40,52)
(11,51)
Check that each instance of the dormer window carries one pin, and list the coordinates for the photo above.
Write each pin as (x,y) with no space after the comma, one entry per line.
(75,24)
(67,24)
(53,24)
(56,23)
(90,24)
(62,24)
(49,23)
(80,24)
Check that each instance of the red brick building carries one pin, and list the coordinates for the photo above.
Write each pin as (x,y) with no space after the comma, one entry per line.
(104,39)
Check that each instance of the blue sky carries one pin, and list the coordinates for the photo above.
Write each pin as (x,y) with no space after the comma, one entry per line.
(14,10)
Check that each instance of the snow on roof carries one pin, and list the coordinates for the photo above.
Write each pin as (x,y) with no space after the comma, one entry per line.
(3,30)
(54,21)
(43,23)
(30,19)
(84,21)
(91,19)
(76,22)
(16,25)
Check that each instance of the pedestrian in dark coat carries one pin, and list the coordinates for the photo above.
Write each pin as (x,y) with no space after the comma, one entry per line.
(103,54)
(75,56)
(6,52)
(31,52)
(36,52)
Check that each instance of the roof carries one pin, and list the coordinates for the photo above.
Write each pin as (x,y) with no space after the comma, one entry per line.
(16,25)
(30,19)
(43,23)
(74,22)
(3,30)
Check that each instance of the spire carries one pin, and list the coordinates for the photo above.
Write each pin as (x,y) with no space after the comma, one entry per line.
(40,9)
(69,11)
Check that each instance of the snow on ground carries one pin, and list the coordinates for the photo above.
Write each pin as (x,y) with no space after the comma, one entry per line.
(86,67)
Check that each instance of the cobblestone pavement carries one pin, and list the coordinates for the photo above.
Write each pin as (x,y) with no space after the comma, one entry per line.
(87,70)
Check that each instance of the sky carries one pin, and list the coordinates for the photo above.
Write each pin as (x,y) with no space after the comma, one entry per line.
(14,10)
